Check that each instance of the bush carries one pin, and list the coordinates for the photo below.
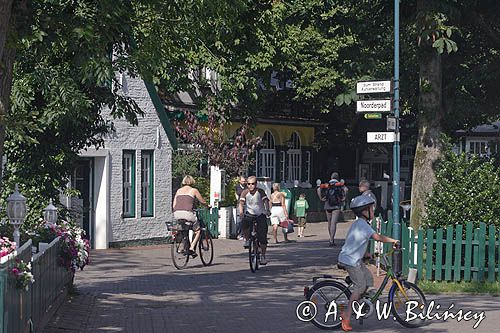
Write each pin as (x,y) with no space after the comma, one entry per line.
(466,190)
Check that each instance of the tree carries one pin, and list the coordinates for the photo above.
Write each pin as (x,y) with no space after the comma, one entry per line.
(450,57)
(233,154)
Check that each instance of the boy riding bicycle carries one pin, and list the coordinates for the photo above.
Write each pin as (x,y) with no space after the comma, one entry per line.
(354,250)
(257,208)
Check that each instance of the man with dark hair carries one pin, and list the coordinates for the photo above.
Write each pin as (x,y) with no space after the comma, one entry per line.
(240,187)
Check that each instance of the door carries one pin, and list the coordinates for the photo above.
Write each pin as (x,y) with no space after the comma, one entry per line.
(82,180)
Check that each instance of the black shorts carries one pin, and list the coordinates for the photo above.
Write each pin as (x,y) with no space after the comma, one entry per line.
(247,222)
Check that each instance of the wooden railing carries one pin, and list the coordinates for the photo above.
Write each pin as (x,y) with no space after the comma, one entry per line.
(24,311)
(51,282)
(15,304)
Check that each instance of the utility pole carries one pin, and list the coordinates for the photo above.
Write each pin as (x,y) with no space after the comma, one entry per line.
(396,228)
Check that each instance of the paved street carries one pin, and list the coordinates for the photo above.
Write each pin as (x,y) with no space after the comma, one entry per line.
(139,290)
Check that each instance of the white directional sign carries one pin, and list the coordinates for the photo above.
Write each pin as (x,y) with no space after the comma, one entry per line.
(379,137)
(374,105)
(373,87)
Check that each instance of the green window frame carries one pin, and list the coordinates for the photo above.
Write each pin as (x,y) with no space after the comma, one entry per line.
(128,184)
(147,183)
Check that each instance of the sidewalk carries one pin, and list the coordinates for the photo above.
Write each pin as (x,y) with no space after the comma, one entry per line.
(139,290)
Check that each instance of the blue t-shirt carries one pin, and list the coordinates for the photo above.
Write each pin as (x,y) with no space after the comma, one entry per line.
(356,243)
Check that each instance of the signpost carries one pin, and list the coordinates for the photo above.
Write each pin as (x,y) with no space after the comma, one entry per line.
(391,123)
(380,137)
(374,105)
(373,115)
(372,87)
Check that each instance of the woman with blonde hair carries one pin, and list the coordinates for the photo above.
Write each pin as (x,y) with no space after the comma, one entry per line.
(279,212)
(183,208)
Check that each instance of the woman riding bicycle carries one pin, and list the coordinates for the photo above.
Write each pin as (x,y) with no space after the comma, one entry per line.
(183,208)
(354,250)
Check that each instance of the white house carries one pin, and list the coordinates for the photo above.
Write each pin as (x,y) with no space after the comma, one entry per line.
(126,185)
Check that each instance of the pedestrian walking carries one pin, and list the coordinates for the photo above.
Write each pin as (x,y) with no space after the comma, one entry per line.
(240,187)
(300,209)
(333,197)
(279,212)
(364,189)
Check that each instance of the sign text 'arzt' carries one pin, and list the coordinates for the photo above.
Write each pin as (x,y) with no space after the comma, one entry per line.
(379,137)
(379,105)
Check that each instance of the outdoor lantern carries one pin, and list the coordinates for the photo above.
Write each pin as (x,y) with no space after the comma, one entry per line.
(16,211)
(50,213)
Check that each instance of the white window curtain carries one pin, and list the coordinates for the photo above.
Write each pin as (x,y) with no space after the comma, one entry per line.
(267,157)
(294,158)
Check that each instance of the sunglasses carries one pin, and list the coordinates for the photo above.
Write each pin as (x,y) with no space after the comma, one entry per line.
(251,183)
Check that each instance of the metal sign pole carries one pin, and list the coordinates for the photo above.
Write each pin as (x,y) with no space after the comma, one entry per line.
(396,229)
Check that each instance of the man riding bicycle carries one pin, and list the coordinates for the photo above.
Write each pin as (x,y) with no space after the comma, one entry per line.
(257,209)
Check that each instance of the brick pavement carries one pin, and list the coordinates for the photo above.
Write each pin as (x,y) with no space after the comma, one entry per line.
(139,290)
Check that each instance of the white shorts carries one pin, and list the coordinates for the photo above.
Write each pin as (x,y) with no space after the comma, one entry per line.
(185,215)
(277,215)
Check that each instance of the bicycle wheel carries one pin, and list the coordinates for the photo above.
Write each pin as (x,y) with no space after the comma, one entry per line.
(253,255)
(399,302)
(206,248)
(329,297)
(179,250)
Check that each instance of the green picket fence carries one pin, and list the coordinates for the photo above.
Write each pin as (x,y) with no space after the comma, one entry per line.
(211,218)
(454,253)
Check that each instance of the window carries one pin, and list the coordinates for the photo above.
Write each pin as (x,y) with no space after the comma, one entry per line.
(147,181)
(294,158)
(481,147)
(267,157)
(283,166)
(128,164)
(307,177)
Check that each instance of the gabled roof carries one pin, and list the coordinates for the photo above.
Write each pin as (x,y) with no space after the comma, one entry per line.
(492,129)
(160,110)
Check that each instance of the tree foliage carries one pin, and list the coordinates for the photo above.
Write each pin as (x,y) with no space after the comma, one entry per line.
(466,190)
(233,154)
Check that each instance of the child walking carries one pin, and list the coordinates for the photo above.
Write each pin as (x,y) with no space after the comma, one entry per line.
(301,205)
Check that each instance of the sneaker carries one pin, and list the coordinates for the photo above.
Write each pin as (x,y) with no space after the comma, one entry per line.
(346,325)
(240,238)
(263,261)
(247,244)
(192,253)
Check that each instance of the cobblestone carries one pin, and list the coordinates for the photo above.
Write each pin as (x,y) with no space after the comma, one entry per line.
(139,290)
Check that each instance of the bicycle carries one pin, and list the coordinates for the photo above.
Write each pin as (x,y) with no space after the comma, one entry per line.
(254,245)
(181,243)
(327,289)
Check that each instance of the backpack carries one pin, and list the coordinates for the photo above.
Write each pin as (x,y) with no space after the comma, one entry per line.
(335,194)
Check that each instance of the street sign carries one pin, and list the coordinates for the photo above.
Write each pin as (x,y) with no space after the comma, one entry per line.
(373,87)
(373,115)
(379,137)
(374,105)
(391,123)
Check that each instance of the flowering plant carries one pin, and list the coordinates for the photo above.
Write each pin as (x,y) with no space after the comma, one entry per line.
(75,248)
(22,273)
(6,246)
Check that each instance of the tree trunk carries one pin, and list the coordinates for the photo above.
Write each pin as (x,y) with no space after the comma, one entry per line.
(7,54)
(429,147)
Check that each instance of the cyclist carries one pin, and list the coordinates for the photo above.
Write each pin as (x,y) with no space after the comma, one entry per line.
(183,208)
(257,207)
(354,250)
